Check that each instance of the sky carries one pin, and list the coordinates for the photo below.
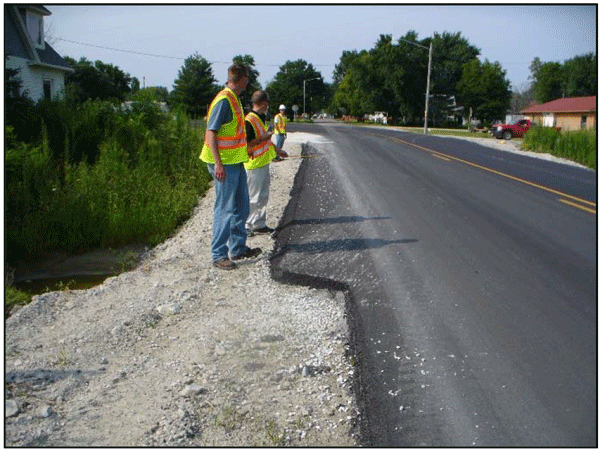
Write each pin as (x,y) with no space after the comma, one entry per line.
(512,35)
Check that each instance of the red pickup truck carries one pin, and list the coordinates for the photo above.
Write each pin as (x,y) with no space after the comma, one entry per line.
(507,132)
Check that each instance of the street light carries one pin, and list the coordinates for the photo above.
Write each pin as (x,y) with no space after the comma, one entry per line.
(306,80)
(428,77)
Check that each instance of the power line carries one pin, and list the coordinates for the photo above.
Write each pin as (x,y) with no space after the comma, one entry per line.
(155,55)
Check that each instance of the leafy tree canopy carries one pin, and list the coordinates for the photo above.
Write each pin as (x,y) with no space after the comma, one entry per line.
(287,87)
(96,80)
(484,88)
(195,86)
(392,76)
(576,77)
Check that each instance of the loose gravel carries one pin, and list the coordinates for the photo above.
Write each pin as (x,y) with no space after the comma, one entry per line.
(179,353)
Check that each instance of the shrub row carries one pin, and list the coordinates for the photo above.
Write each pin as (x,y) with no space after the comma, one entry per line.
(137,178)
(579,146)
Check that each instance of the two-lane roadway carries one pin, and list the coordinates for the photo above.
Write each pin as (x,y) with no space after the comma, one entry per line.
(473,276)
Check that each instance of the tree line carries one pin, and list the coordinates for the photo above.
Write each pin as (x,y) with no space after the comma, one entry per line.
(390,77)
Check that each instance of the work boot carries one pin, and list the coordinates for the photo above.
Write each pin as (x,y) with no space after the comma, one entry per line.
(248,254)
(224,264)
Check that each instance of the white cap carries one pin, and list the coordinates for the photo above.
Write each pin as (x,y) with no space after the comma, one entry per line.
(282,107)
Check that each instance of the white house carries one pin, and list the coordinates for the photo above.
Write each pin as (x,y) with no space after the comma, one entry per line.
(41,70)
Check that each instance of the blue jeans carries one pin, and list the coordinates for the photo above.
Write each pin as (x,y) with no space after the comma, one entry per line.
(232,207)
(278,140)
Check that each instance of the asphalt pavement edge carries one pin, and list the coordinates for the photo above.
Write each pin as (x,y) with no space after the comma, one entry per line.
(356,343)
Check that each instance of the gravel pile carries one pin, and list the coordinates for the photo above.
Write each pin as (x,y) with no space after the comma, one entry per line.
(179,353)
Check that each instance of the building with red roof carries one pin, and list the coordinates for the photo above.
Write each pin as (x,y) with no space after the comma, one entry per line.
(569,114)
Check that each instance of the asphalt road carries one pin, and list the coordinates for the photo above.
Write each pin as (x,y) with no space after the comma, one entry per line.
(473,282)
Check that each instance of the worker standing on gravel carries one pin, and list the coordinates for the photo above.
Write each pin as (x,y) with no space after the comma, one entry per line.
(261,152)
(280,127)
(225,152)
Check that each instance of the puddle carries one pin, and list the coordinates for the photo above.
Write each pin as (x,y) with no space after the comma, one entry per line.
(77,282)
(60,271)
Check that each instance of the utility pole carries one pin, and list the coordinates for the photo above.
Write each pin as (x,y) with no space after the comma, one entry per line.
(428,77)
(427,91)
(306,80)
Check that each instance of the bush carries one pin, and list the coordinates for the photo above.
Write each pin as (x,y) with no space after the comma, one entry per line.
(579,146)
(143,182)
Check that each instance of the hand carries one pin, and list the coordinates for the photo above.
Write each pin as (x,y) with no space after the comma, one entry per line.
(220,172)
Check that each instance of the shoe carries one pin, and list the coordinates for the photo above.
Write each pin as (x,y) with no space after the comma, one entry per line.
(263,231)
(224,264)
(250,253)
(278,159)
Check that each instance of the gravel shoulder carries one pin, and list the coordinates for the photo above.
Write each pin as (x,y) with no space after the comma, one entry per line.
(179,353)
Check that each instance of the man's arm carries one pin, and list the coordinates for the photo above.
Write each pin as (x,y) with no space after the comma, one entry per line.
(220,115)
(211,141)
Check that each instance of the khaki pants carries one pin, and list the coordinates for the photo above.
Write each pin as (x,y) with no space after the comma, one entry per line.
(258,191)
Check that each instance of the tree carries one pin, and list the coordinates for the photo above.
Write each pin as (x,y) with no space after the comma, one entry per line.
(393,77)
(576,77)
(484,88)
(287,87)
(450,53)
(96,80)
(580,76)
(195,86)
(253,83)
(548,78)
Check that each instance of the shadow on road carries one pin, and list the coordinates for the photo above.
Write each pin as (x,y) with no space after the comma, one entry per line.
(348,244)
(337,220)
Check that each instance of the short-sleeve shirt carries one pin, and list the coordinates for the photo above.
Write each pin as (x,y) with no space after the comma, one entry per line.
(221,115)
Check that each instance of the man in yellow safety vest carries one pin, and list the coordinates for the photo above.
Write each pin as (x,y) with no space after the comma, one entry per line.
(261,152)
(225,152)
(280,127)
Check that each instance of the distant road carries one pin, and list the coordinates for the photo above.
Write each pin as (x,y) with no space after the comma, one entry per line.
(473,274)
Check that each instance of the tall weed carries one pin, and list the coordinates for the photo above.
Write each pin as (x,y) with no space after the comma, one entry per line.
(579,146)
(144,180)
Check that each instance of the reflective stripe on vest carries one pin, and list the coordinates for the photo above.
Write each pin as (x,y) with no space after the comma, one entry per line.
(264,153)
(259,131)
(231,137)
(280,125)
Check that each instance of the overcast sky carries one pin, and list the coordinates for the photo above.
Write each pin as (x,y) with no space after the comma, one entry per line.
(513,35)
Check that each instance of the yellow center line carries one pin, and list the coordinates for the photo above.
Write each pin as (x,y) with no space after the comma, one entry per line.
(520,180)
(568,202)
(440,157)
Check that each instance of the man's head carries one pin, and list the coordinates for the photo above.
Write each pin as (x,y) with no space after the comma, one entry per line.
(282,109)
(260,101)
(237,78)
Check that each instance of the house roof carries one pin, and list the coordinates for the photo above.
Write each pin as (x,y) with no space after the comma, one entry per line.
(565,105)
(17,42)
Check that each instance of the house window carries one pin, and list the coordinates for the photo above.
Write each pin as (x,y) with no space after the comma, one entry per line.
(47,89)
(35,27)
(584,122)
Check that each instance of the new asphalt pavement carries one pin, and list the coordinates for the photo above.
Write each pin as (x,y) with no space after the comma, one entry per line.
(472,282)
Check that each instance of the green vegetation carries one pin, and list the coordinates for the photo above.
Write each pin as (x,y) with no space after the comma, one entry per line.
(136,178)
(14,297)
(579,146)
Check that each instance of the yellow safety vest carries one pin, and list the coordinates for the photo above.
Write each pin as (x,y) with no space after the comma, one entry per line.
(263,153)
(280,126)
(231,137)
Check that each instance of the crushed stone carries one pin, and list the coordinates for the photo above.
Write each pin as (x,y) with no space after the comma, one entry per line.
(179,353)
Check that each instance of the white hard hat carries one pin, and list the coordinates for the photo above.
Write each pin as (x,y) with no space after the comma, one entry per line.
(282,107)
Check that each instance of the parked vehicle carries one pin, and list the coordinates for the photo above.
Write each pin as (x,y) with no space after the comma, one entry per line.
(507,132)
